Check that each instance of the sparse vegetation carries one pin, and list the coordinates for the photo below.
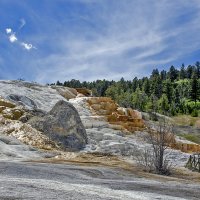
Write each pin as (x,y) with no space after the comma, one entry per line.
(185,120)
(191,137)
(187,127)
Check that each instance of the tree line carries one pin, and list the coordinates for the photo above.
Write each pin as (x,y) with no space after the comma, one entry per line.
(171,92)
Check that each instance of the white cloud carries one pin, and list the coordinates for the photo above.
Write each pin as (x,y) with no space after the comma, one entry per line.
(12,38)
(27,46)
(8,30)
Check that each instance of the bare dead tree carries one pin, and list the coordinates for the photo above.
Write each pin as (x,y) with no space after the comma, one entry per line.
(154,158)
(161,137)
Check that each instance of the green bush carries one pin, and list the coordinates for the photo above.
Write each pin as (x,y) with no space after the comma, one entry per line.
(191,106)
(194,113)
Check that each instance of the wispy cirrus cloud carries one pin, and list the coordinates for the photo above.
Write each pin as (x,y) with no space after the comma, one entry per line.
(127,42)
(23,23)
(91,40)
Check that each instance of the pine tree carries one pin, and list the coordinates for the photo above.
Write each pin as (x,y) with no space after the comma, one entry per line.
(182,73)
(155,73)
(194,95)
(146,86)
(163,75)
(135,84)
(58,83)
(189,71)
(198,69)
(173,73)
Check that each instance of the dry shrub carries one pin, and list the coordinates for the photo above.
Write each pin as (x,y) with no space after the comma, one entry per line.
(154,158)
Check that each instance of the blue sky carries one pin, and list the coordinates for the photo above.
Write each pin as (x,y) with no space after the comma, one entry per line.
(50,40)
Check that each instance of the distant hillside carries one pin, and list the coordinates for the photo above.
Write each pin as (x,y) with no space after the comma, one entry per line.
(176,91)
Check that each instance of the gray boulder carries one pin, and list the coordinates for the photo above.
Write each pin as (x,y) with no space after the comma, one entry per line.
(63,125)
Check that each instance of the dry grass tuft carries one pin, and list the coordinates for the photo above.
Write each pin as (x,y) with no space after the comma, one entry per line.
(186,120)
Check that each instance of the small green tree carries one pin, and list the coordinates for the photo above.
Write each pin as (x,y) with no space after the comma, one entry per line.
(163,104)
(113,91)
(168,88)
(139,99)
(125,99)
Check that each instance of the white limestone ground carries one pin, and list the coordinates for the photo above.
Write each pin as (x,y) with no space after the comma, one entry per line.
(47,181)
(82,191)
(102,138)
(13,149)
(44,96)
(61,181)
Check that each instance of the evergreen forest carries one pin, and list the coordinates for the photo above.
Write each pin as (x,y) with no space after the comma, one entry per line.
(169,92)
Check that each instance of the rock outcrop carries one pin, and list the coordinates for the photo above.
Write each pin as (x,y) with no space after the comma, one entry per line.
(186,146)
(66,92)
(107,138)
(22,100)
(10,114)
(33,102)
(63,125)
(31,95)
(26,134)
(84,92)
(103,136)
(121,118)
(9,110)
